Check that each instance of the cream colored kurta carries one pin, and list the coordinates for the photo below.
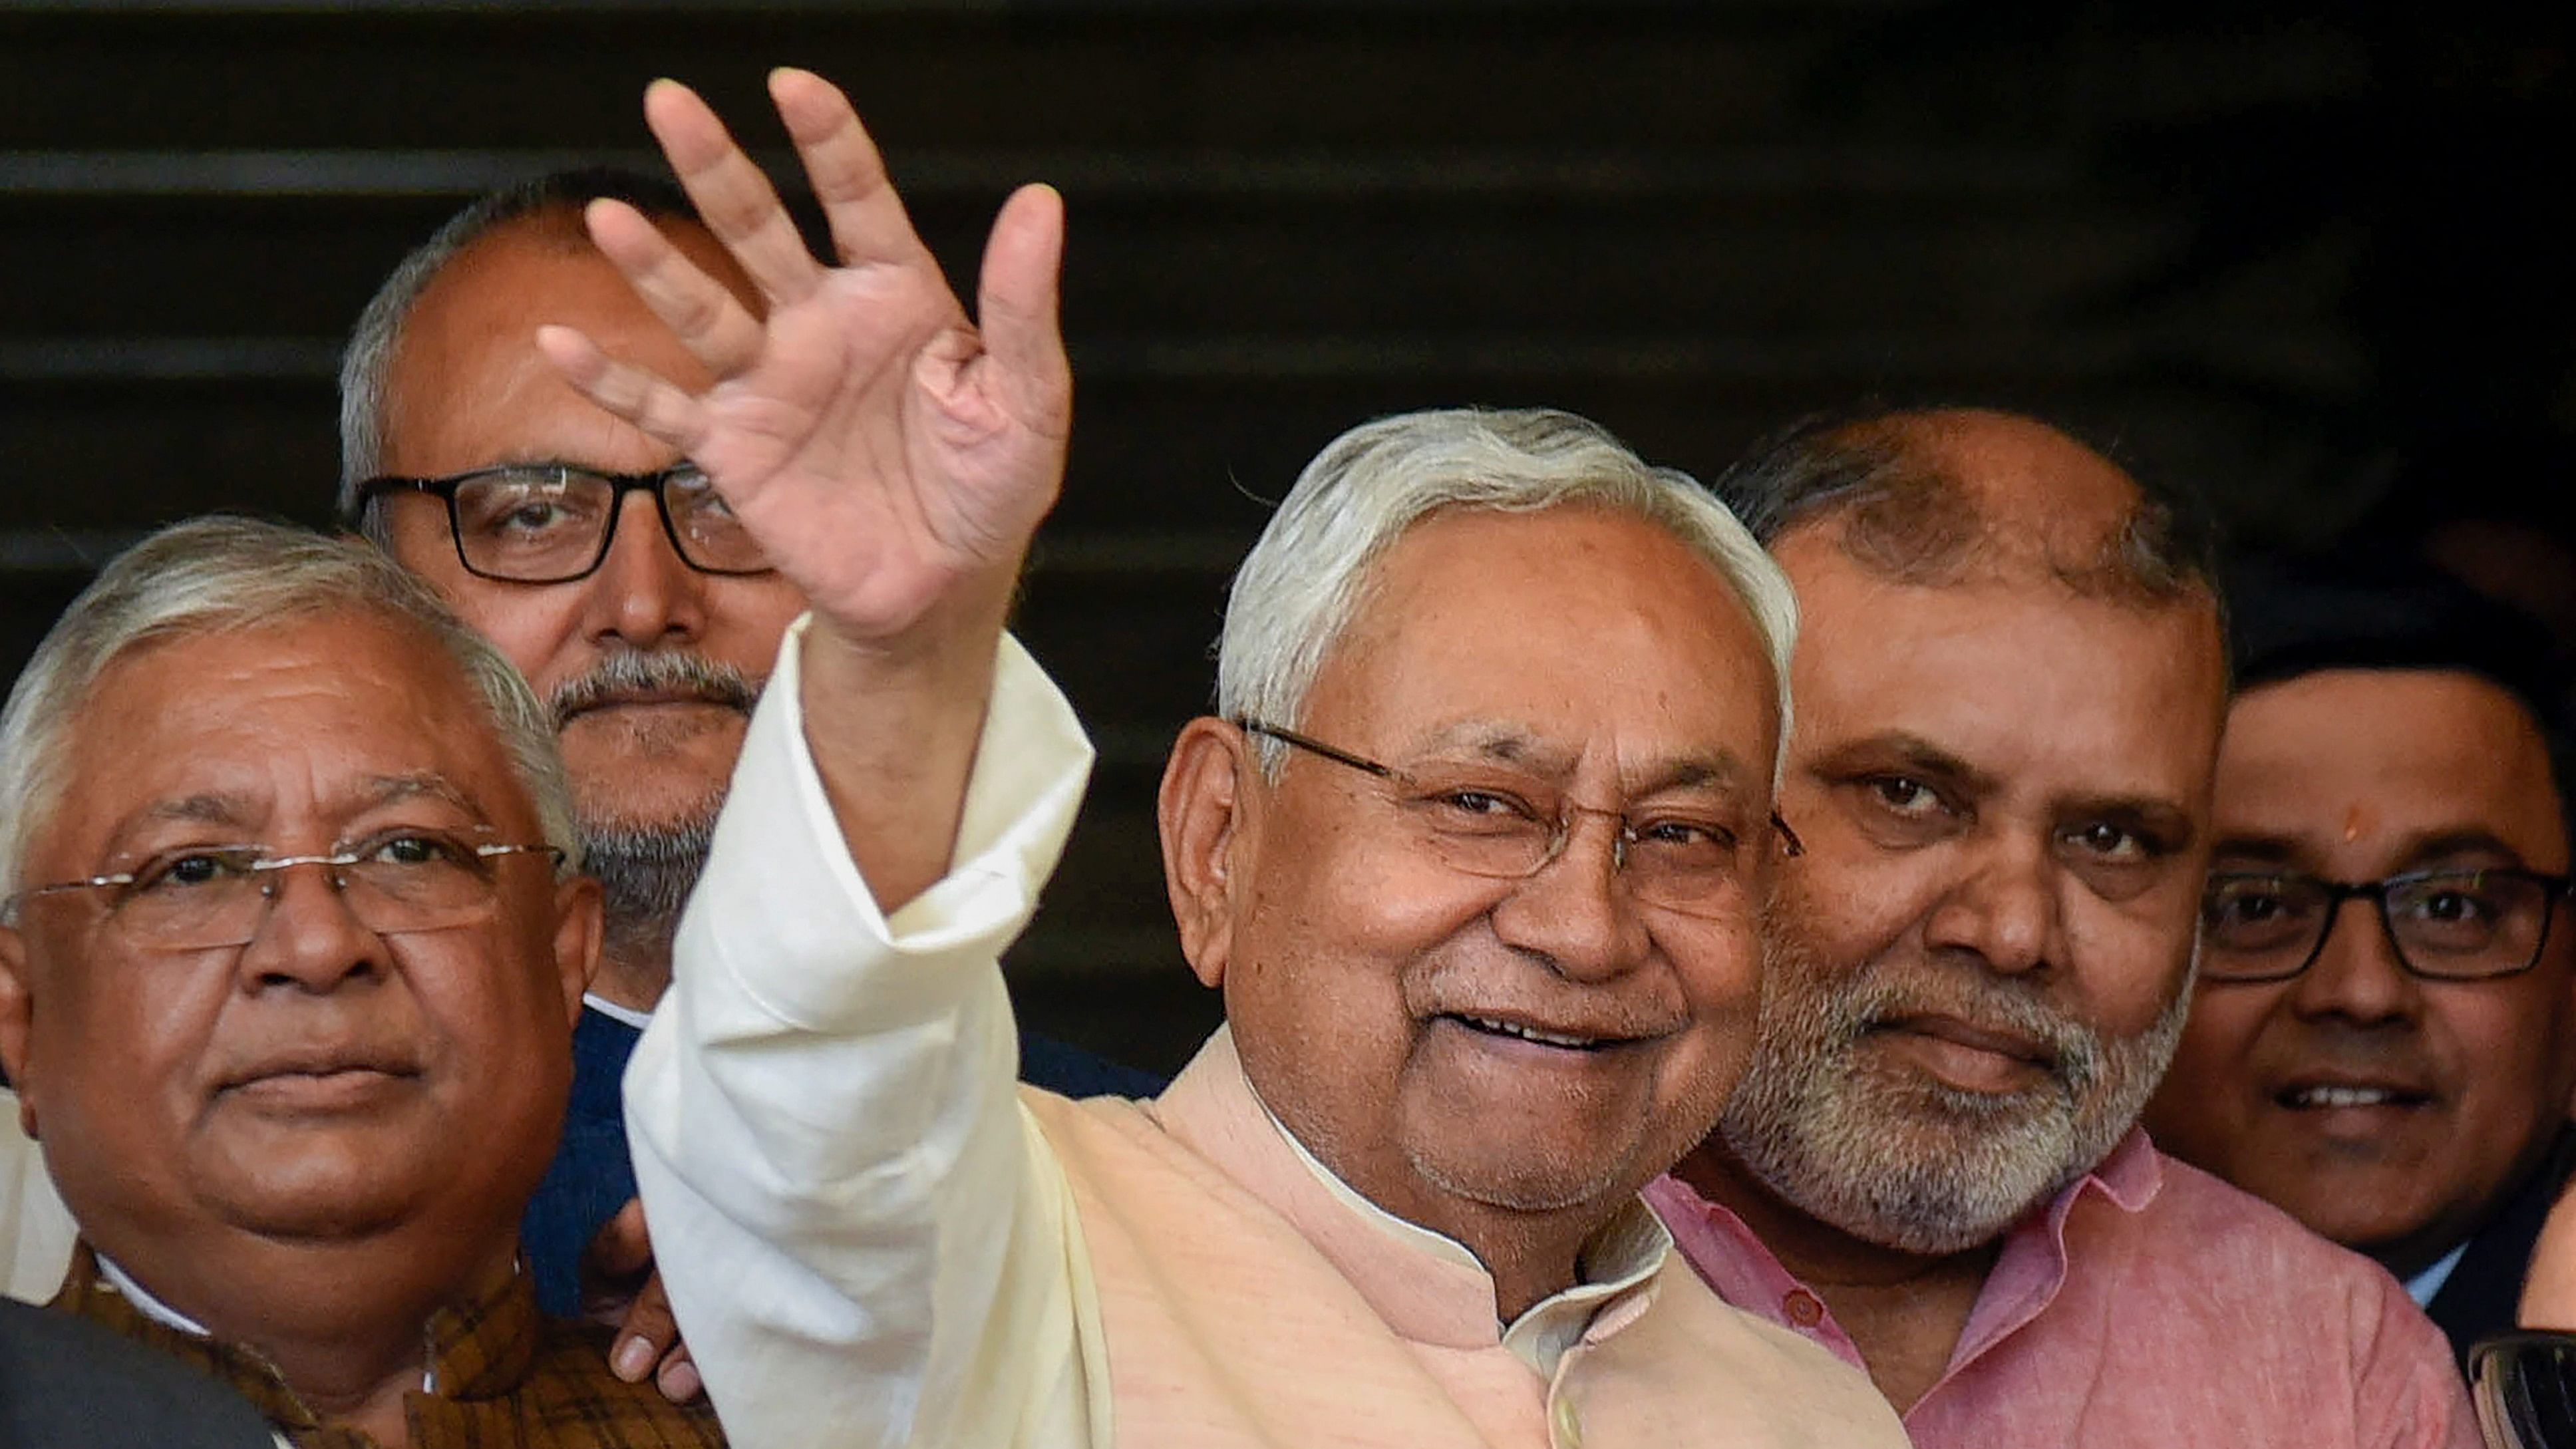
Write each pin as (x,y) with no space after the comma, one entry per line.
(872,1237)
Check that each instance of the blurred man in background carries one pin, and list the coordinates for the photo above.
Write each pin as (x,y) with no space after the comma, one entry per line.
(2384,1037)
(606,568)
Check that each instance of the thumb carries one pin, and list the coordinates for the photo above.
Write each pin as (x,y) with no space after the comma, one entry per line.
(1016,308)
(623,1247)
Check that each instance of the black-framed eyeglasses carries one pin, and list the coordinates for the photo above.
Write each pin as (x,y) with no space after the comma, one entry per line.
(2443,925)
(199,898)
(1489,821)
(551,523)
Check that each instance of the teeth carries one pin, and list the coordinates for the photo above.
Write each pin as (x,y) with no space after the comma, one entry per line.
(1526,1033)
(2342,1097)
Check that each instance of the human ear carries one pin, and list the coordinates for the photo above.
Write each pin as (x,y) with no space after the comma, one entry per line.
(579,917)
(1198,811)
(17,1013)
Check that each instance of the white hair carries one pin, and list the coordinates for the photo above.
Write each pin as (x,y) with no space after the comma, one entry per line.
(1303,582)
(220,573)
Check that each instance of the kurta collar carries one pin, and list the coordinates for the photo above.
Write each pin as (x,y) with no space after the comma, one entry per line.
(1425,1285)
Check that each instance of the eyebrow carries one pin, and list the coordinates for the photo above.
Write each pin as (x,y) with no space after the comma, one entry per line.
(211,808)
(2162,816)
(2413,850)
(1912,752)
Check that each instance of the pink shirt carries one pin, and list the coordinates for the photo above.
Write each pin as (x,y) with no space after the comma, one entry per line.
(2150,1305)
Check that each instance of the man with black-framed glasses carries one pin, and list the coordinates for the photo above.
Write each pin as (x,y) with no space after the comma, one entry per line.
(2383,1038)
(611,573)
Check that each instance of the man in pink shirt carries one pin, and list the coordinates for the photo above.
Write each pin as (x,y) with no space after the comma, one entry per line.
(2010,685)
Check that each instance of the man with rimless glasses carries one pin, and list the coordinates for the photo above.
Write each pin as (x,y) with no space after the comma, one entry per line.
(292,945)
(1486,935)
(2383,1039)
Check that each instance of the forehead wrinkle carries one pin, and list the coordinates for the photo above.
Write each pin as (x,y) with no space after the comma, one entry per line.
(380,790)
(1722,769)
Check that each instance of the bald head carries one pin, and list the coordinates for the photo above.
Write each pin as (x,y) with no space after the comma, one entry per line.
(1949,496)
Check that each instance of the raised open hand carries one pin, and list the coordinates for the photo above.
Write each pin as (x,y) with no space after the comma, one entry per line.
(891,456)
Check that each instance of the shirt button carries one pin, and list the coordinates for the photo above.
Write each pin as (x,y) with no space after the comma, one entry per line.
(1569,1425)
(1804,1308)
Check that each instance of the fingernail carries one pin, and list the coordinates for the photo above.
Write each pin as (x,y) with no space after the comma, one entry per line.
(680,1382)
(634,1358)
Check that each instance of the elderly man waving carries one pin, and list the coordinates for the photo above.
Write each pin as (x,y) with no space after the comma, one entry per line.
(1474,858)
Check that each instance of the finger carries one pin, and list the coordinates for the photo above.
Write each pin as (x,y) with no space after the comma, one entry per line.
(647,1333)
(623,1246)
(849,177)
(732,196)
(678,1379)
(1017,309)
(706,316)
(640,397)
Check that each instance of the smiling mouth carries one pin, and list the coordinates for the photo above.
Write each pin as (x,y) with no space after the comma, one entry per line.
(2334,1096)
(1523,1031)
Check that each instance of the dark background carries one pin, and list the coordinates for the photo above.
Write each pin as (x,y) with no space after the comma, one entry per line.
(2317,267)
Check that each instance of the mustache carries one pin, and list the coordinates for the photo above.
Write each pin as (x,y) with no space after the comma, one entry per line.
(1881,992)
(2075,1052)
(653,673)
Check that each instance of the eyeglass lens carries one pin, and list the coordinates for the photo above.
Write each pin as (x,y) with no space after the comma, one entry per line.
(202,899)
(2463,925)
(553,523)
(1673,858)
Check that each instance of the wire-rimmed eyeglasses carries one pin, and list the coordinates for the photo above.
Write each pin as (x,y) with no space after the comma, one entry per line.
(204,897)
(551,523)
(2443,925)
(1489,821)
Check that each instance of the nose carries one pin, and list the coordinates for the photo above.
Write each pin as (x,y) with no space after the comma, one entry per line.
(2356,976)
(309,939)
(1574,911)
(644,595)
(2004,909)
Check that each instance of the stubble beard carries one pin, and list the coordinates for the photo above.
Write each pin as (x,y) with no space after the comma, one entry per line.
(647,868)
(1891,1157)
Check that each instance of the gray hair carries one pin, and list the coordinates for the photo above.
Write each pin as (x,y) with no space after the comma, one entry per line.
(367,364)
(1304,580)
(221,573)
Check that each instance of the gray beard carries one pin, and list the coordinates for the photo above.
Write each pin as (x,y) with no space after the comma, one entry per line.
(1896,1159)
(645,874)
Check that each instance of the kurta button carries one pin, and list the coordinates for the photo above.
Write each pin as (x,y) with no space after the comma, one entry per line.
(1804,1308)
(1569,1425)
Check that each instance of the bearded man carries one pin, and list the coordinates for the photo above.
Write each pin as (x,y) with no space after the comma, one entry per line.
(2010,687)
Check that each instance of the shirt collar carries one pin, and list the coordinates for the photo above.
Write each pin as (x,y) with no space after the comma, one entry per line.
(623,1015)
(1618,1260)
(2026,1277)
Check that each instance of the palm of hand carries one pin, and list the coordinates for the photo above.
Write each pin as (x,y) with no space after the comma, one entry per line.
(888,455)
(875,452)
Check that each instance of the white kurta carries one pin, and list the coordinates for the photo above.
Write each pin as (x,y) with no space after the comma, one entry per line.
(872,1237)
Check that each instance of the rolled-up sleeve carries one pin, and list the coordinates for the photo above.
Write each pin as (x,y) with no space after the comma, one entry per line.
(866,1241)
